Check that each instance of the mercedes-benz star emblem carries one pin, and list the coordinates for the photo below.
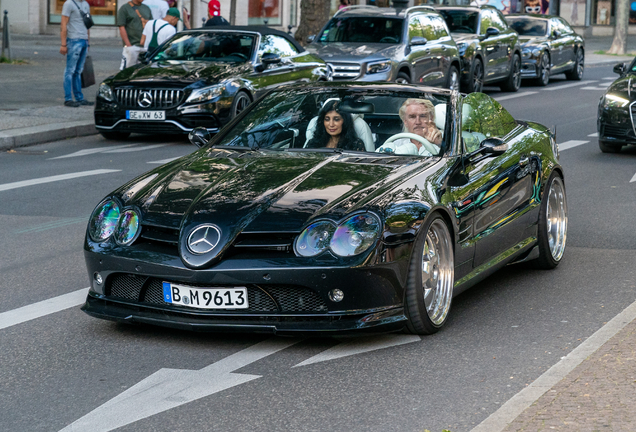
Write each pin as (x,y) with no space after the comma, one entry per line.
(203,239)
(144,99)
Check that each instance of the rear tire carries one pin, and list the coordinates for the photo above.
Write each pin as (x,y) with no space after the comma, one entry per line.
(403,78)
(609,148)
(115,136)
(544,71)
(429,290)
(513,82)
(553,224)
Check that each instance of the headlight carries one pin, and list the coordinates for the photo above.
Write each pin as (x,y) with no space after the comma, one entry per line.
(127,228)
(525,53)
(379,67)
(105,92)
(536,52)
(461,47)
(103,220)
(355,235)
(614,101)
(205,94)
(315,238)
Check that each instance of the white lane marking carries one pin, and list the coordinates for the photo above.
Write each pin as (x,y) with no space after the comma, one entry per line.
(570,144)
(358,346)
(609,78)
(563,86)
(509,411)
(40,309)
(92,151)
(633,179)
(135,149)
(594,88)
(594,135)
(516,95)
(55,224)
(164,161)
(170,388)
(42,180)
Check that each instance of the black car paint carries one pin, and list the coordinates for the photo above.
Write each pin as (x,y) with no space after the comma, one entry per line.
(264,199)
(615,123)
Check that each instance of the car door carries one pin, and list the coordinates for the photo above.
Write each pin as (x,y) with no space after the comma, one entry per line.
(502,186)
(490,47)
(569,39)
(419,56)
(507,41)
(435,33)
(558,42)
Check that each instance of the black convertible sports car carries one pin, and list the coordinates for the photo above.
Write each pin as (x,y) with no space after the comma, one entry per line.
(257,232)
(549,47)
(201,78)
(616,111)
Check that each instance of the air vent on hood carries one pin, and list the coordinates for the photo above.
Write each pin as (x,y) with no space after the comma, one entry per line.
(281,242)
(160,234)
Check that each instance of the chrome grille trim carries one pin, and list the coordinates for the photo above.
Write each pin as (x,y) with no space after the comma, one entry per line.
(631,115)
(161,98)
(345,71)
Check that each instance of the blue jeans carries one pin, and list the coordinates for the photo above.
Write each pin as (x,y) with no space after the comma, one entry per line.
(75,58)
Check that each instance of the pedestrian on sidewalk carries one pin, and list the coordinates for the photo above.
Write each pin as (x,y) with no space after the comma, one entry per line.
(75,42)
(158,8)
(131,19)
(214,8)
(158,31)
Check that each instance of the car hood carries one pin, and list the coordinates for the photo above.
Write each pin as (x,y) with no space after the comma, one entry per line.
(529,41)
(354,52)
(186,72)
(262,191)
(625,87)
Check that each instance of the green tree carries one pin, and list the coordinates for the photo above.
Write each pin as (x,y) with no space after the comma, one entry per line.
(313,15)
(620,30)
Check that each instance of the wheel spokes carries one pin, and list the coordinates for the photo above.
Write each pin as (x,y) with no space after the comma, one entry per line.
(437,272)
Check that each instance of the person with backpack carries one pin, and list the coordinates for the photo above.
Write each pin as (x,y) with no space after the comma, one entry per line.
(131,20)
(158,31)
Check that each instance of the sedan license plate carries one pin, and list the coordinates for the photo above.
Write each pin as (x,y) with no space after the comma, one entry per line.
(205,298)
(146,115)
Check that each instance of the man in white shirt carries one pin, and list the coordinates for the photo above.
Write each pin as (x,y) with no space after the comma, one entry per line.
(164,29)
(159,8)
(418,117)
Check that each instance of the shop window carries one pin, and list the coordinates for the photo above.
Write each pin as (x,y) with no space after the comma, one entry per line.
(104,12)
(266,12)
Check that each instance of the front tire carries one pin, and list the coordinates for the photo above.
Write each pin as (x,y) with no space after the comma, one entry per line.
(609,148)
(553,224)
(544,71)
(429,290)
(576,74)
(115,136)
(403,78)
(513,82)
(240,102)
(453,78)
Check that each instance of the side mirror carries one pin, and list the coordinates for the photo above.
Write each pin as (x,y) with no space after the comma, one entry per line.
(310,38)
(492,147)
(266,60)
(199,136)
(620,68)
(491,31)
(418,40)
(556,34)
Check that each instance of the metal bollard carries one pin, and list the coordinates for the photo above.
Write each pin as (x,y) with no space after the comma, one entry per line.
(6,37)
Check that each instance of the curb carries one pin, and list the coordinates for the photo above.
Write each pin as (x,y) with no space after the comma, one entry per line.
(21,137)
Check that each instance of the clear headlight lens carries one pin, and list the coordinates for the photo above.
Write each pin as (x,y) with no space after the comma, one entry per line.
(379,67)
(315,238)
(461,47)
(205,94)
(614,101)
(525,53)
(127,228)
(103,220)
(105,92)
(355,235)
(536,52)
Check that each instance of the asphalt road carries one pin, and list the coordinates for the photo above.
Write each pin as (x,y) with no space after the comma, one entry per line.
(65,367)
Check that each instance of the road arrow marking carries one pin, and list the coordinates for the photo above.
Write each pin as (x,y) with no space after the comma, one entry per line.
(633,179)
(570,144)
(135,149)
(92,151)
(359,346)
(594,135)
(170,388)
(563,86)
(41,180)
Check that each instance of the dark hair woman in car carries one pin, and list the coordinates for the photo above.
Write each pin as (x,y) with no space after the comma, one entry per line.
(334,129)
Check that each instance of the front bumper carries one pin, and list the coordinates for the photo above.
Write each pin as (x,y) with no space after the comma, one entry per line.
(529,68)
(616,124)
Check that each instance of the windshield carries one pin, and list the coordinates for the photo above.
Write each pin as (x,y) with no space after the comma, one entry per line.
(528,26)
(363,30)
(336,120)
(228,47)
(461,21)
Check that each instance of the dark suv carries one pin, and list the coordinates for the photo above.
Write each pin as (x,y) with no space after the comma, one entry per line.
(489,48)
(367,43)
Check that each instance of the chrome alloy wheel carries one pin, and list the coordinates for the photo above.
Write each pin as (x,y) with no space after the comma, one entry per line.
(478,77)
(557,219)
(580,63)
(516,73)
(400,80)
(544,71)
(438,272)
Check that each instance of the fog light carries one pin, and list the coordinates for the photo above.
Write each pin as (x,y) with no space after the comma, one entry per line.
(336,295)
(98,279)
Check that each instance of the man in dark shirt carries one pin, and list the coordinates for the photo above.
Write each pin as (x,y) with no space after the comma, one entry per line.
(131,18)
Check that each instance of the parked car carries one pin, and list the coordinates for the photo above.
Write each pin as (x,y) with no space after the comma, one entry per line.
(615,111)
(257,232)
(203,78)
(489,49)
(549,46)
(367,43)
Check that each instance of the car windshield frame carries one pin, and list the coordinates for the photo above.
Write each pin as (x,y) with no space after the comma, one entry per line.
(397,25)
(527,20)
(210,46)
(452,13)
(261,118)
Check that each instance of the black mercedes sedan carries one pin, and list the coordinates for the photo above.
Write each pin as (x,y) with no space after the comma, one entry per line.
(489,48)
(201,78)
(263,230)
(616,111)
(549,47)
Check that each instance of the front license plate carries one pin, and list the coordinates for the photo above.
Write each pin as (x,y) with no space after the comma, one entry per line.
(146,115)
(205,298)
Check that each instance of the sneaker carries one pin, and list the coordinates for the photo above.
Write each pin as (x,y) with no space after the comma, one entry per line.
(84,102)
(71,104)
